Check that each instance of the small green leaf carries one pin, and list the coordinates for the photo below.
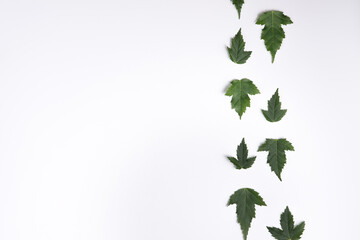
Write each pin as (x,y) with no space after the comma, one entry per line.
(245,200)
(242,161)
(288,231)
(273,33)
(274,112)
(236,50)
(240,91)
(238,5)
(276,157)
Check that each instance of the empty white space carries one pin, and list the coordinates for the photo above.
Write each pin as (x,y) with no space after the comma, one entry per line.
(114,124)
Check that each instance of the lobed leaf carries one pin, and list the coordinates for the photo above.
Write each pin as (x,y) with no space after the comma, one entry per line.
(238,5)
(273,33)
(274,112)
(240,91)
(245,200)
(236,51)
(288,231)
(242,161)
(276,157)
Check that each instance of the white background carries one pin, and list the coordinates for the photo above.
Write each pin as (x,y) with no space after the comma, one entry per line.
(114,123)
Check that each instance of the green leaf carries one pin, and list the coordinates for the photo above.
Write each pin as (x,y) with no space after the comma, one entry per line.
(288,231)
(240,91)
(274,112)
(236,50)
(272,33)
(245,200)
(276,157)
(238,5)
(242,161)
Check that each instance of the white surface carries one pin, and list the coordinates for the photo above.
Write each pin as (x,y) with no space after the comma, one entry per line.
(114,124)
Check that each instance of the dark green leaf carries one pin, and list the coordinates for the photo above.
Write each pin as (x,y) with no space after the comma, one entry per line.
(276,157)
(240,91)
(273,33)
(238,5)
(245,200)
(242,161)
(274,112)
(236,50)
(288,231)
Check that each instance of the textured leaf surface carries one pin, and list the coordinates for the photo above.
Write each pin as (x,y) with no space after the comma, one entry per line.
(245,200)
(273,33)
(274,112)
(288,231)
(238,5)
(240,91)
(242,161)
(236,50)
(276,157)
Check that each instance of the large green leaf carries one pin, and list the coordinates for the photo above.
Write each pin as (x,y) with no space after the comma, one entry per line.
(288,231)
(245,200)
(274,112)
(238,5)
(242,161)
(276,157)
(273,33)
(236,50)
(240,91)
